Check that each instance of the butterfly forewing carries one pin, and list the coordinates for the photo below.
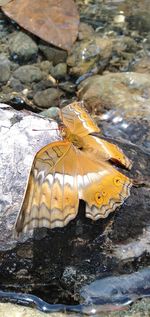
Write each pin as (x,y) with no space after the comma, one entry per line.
(76,118)
(100,149)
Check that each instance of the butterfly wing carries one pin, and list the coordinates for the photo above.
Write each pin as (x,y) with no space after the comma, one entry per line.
(60,176)
(102,187)
(103,150)
(77,119)
(51,198)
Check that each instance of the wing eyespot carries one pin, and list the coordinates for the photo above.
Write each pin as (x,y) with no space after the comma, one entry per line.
(98,198)
(117,181)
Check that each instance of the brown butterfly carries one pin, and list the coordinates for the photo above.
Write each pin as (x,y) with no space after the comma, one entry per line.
(78,167)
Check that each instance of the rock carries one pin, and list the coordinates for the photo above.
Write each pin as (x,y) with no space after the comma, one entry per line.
(140,22)
(13,124)
(129,92)
(86,54)
(86,249)
(86,31)
(42,85)
(47,98)
(22,46)
(142,66)
(59,71)
(4,68)
(118,289)
(67,86)
(53,54)
(28,74)
(46,66)
(16,84)
(134,311)
(52,112)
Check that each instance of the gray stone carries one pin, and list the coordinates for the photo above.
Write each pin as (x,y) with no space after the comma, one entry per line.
(53,54)
(4,68)
(86,31)
(47,98)
(128,92)
(86,54)
(59,71)
(91,246)
(46,66)
(16,84)
(22,46)
(52,112)
(28,74)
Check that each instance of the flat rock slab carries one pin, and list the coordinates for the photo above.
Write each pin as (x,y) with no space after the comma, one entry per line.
(55,264)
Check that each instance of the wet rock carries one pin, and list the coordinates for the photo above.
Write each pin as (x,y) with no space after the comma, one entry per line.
(22,46)
(59,71)
(47,98)
(118,289)
(4,68)
(46,66)
(16,84)
(42,85)
(7,309)
(123,54)
(28,74)
(52,112)
(85,248)
(86,54)
(129,92)
(67,86)
(53,54)
(138,309)
(140,22)
(86,31)
(142,66)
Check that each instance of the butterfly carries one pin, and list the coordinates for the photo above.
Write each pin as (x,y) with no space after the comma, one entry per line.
(77,167)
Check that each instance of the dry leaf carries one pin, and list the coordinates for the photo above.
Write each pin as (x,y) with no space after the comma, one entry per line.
(55,21)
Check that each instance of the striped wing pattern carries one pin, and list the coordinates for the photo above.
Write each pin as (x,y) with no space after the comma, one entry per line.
(53,192)
(62,173)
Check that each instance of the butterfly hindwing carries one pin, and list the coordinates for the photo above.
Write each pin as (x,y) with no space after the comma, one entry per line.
(103,187)
(51,198)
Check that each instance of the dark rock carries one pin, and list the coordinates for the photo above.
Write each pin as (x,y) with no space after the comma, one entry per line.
(59,71)
(21,45)
(4,68)
(53,54)
(42,85)
(47,98)
(46,66)
(28,74)
(16,84)
(64,259)
(67,86)
(140,22)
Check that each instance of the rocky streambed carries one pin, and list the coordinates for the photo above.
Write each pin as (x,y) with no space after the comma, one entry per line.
(108,68)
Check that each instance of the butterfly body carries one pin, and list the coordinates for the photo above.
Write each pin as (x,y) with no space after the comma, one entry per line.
(77,167)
